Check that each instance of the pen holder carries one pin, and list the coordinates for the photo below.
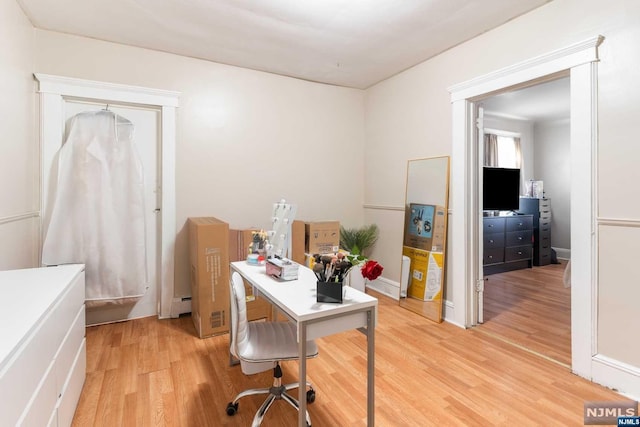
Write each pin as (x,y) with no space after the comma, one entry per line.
(329,292)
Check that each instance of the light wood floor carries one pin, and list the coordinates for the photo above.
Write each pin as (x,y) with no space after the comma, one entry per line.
(532,308)
(151,372)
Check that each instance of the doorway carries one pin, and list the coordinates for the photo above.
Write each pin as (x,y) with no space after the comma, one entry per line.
(580,61)
(55,93)
(531,307)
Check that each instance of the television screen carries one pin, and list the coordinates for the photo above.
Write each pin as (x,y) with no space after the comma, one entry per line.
(501,189)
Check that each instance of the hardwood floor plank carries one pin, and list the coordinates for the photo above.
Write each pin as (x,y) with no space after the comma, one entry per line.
(532,308)
(427,374)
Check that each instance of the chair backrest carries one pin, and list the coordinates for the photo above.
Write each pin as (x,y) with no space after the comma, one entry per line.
(240,339)
(239,330)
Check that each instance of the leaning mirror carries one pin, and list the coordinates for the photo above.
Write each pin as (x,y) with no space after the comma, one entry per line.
(425,235)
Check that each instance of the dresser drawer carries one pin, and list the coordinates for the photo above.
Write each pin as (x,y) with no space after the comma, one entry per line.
(493,240)
(493,225)
(544,240)
(520,222)
(26,370)
(519,238)
(545,225)
(517,253)
(73,387)
(69,348)
(42,405)
(493,256)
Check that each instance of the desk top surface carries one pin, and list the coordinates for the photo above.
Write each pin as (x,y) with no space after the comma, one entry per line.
(298,297)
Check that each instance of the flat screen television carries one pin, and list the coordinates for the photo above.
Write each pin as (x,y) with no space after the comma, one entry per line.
(501,189)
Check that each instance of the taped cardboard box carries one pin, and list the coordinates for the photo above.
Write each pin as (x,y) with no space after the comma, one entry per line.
(239,241)
(322,237)
(209,258)
(425,274)
(425,227)
(297,242)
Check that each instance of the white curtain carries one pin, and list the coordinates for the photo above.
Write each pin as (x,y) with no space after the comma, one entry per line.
(97,212)
(490,150)
(518,155)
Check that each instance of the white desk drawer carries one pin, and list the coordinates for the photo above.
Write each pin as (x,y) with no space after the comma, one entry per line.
(329,326)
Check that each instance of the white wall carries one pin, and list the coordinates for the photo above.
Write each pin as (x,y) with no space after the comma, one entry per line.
(18,147)
(409,116)
(552,166)
(245,139)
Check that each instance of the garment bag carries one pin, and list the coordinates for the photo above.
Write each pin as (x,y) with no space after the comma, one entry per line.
(97,212)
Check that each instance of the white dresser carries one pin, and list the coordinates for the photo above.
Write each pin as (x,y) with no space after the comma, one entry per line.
(42,345)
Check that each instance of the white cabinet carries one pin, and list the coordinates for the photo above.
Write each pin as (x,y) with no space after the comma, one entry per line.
(42,345)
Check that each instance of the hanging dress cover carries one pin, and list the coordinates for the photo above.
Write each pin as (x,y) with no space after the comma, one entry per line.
(97,211)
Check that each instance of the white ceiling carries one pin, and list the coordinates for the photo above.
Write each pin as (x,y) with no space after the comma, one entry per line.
(542,102)
(354,43)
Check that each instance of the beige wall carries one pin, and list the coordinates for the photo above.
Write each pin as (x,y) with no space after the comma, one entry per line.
(245,139)
(279,132)
(18,149)
(409,116)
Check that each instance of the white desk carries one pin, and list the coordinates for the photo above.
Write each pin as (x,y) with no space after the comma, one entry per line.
(297,300)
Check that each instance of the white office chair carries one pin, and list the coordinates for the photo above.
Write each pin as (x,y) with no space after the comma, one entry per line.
(261,346)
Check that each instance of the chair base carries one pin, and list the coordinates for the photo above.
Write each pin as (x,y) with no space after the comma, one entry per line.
(274,393)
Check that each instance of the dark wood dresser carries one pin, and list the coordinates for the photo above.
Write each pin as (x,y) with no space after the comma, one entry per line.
(507,243)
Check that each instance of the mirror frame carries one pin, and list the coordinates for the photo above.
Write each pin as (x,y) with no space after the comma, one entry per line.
(422,247)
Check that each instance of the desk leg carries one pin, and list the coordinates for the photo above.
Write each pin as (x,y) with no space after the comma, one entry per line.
(302,375)
(371,410)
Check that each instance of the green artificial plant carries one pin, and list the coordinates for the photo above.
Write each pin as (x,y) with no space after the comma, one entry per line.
(357,241)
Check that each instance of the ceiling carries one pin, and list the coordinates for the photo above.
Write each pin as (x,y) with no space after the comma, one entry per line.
(353,43)
(543,102)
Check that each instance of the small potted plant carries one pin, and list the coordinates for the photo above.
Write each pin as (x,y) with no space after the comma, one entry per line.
(358,241)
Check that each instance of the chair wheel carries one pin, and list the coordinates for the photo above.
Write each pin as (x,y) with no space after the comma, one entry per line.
(232,409)
(311,396)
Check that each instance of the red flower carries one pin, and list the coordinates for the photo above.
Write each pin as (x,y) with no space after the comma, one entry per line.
(371,270)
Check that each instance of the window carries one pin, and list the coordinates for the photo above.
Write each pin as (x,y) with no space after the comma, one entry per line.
(508,156)
(502,151)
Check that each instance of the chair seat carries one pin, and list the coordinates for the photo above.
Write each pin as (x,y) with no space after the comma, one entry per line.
(271,341)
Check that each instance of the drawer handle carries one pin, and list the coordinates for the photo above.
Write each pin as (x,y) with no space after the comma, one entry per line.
(519,252)
(490,240)
(520,223)
(490,226)
(490,256)
(519,237)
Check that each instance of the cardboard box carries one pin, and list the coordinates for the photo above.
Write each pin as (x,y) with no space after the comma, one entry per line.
(297,242)
(322,237)
(425,274)
(209,257)
(425,227)
(239,241)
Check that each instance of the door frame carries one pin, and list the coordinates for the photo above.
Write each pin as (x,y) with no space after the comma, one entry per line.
(580,62)
(54,89)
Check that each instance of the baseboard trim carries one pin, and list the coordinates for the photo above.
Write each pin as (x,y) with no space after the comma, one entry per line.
(180,306)
(385,286)
(562,253)
(617,375)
